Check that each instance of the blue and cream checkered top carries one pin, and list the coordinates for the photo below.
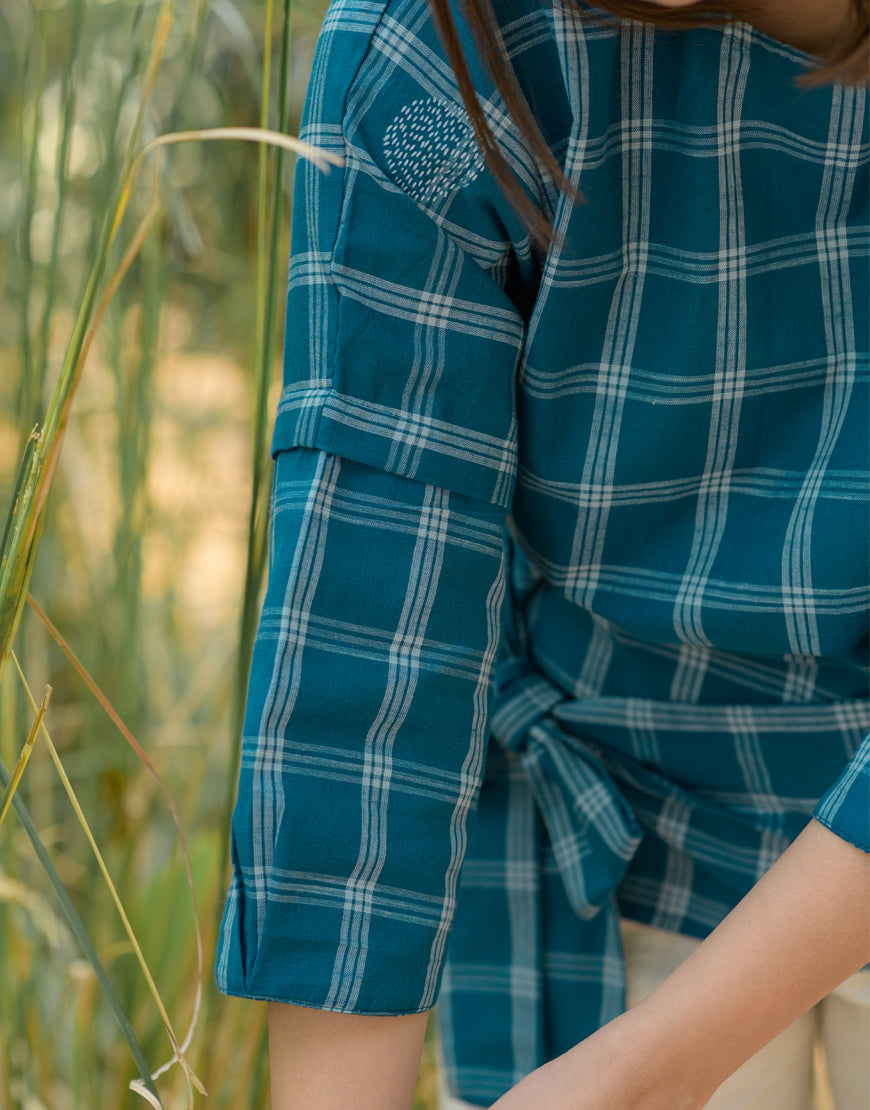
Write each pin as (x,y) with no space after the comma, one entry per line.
(568,594)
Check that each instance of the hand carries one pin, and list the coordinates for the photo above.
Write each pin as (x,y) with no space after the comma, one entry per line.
(614,1069)
(671,1051)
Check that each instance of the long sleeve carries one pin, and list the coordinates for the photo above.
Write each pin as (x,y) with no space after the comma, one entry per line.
(395,443)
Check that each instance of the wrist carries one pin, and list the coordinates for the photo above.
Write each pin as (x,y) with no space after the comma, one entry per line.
(649,1048)
(627,1064)
(652,1070)
(694,1028)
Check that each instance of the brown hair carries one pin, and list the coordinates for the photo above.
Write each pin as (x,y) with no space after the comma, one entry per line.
(848,64)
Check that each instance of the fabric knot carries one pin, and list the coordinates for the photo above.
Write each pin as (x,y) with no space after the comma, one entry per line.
(590,825)
(522,698)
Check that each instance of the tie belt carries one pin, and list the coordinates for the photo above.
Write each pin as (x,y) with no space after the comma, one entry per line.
(593,830)
(566,748)
(590,825)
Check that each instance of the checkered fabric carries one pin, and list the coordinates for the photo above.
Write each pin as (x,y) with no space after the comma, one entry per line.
(588,527)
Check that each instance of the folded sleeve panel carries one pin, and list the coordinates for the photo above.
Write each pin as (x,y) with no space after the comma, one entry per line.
(402,344)
(364,737)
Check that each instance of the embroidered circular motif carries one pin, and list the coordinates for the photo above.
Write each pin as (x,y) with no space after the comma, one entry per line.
(431,151)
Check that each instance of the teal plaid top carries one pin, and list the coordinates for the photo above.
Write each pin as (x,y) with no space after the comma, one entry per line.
(568,583)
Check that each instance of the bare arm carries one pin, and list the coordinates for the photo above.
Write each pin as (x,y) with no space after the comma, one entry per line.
(327,1061)
(803,929)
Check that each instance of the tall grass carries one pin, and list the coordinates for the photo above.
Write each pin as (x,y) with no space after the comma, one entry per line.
(139,551)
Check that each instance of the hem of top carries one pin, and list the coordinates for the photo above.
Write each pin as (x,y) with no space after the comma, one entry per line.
(865,848)
(275,996)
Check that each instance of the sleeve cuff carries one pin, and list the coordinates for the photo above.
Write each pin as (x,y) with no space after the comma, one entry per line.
(845,809)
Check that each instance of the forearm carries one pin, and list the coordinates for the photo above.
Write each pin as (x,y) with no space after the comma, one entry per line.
(803,929)
(328,1061)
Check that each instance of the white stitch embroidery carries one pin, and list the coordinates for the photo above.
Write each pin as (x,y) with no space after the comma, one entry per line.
(431,150)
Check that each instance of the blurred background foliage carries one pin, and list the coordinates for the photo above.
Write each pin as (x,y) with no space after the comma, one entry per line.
(142,562)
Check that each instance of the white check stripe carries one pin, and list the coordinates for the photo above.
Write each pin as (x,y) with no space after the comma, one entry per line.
(622,323)
(301,585)
(712,503)
(836,199)
(428,558)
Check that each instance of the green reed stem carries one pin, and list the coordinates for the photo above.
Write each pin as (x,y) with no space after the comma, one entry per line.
(61,400)
(30,390)
(64,138)
(109,173)
(268,291)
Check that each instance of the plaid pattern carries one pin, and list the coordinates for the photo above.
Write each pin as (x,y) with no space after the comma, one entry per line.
(589,529)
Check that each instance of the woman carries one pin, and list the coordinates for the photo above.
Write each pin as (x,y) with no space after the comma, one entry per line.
(575,395)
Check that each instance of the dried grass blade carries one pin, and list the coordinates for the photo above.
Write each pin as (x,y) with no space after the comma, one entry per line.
(113,715)
(323,159)
(190,1075)
(18,769)
(139,1088)
(81,934)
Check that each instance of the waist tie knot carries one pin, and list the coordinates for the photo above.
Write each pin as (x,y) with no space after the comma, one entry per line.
(593,834)
(590,825)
